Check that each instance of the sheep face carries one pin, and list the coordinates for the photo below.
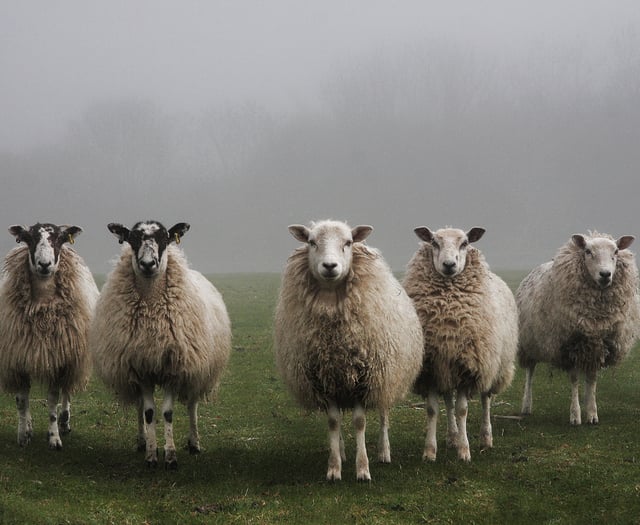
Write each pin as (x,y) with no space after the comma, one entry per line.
(449,247)
(601,255)
(330,246)
(149,241)
(45,242)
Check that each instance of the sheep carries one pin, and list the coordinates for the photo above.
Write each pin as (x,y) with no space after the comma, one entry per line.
(47,297)
(346,334)
(580,313)
(159,323)
(470,325)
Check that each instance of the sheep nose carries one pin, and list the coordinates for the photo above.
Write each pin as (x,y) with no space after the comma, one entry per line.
(147,265)
(44,265)
(449,265)
(329,266)
(605,274)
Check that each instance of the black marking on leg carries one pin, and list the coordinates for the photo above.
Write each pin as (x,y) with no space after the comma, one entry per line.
(148,416)
(52,418)
(64,416)
(168,416)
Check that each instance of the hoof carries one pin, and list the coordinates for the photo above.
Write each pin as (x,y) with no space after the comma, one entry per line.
(429,454)
(152,463)
(334,475)
(171,465)
(193,449)
(364,476)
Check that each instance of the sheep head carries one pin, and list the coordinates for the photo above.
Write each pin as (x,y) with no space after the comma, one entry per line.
(149,241)
(330,245)
(449,247)
(45,242)
(601,255)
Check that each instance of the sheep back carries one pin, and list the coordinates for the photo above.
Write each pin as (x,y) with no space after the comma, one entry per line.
(178,337)
(568,321)
(359,344)
(45,341)
(469,322)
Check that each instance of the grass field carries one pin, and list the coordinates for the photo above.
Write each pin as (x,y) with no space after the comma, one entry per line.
(264,460)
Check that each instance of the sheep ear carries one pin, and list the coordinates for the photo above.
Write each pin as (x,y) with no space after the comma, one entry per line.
(19,232)
(177,231)
(475,234)
(70,233)
(625,241)
(360,233)
(120,231)
(301,233)
(579,240)
(424,233)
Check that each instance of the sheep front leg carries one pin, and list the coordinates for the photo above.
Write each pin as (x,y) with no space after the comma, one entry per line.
(590,398)
(362,460)
(149,409)
(384,448)
(574,413)
(193,444)
(452,425)
(334,470)
(64,423)
(431,442)
(527,397)
(142,431)
(170,455)
(486,432)
(462,409)
(55,443)
(25,428)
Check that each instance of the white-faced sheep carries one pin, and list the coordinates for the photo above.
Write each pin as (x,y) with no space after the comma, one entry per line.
(47,297)
(346,334)
(580,313)
(159,323)
(470,325)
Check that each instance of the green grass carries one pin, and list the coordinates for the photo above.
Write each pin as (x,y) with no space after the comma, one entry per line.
(264,460)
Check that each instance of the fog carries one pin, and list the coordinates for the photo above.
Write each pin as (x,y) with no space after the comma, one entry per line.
(242,117)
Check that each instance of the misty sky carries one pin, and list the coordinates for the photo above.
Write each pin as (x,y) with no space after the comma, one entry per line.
(266,89)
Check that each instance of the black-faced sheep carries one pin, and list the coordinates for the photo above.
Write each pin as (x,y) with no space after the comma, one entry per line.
(47,297)
(580,313)
(346,334)
(159,323)
(470,325)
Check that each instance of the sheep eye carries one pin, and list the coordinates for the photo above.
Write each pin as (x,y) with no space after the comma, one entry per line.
(588,251)
(348,244)
(435,245)
(464,244)
(313,244)
(616,252)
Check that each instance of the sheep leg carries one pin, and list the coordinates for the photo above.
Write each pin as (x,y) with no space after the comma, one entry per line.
(362,460)
(384,448)
(25,428)
(64,422)
(590,398)
(527,398)
(142,433)
(149,408)
(574,414)
(55,443)
(334,470)
(431,442)
(193,444)
(170,455)
(452,425)
(486,432)
(462,409)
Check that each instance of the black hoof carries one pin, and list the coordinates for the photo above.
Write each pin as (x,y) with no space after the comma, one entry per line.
(171,465)
(193,450)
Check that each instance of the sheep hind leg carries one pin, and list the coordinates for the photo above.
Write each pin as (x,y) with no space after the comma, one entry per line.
(149,410)
(170,454)
(574,413)
(64,423)
(591,408)
(53,434)
(334,469)
(486,432)
(462,409)
(141,440)
(527,397)
(193,443)
(362,460)
(431,442)
(25,428)
(384,448)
